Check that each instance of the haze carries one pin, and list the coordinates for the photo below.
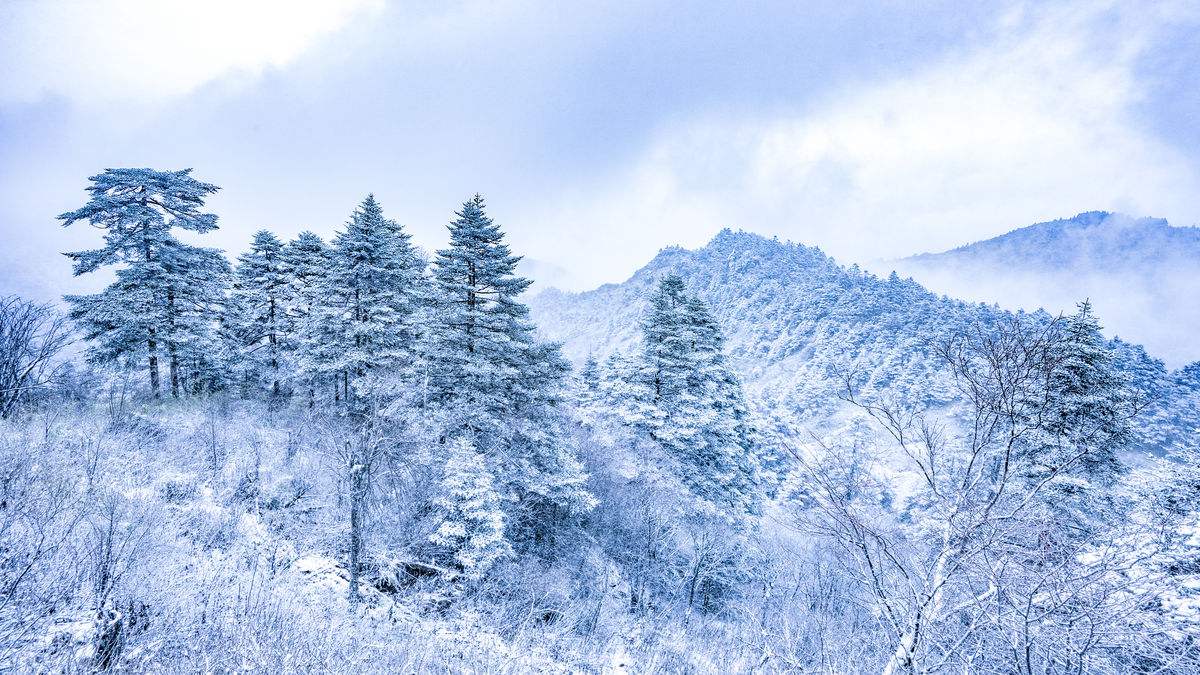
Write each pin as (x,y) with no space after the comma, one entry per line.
(602,132)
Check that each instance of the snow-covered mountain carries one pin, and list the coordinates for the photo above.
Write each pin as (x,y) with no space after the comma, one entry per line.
(795,320)
(797,323)
(1142,275)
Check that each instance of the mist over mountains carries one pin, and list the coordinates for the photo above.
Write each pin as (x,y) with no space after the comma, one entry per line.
(1142,275)
(264,419)
(794,319)
(797,323)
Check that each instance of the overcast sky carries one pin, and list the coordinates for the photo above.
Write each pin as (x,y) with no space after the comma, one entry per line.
(601,132)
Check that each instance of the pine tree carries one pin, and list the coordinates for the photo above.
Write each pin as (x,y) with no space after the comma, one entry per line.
(667,345)
(307,259)
(490,377)
(728,442)
(699,413)
(482,331)
(262,295)
(1091,412)
(1086,423)
(367,325)
(471,532)
(586,389)
(149,309)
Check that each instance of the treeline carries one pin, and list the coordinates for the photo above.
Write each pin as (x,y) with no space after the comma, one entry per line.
(405,352)
(403,437)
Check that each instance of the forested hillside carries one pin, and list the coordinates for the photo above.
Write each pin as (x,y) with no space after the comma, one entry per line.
(798,324)
(356,455)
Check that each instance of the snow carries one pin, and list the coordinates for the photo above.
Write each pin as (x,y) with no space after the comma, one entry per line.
(767,466)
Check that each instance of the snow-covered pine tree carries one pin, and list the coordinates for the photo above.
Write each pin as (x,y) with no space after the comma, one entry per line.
(667,346)
(196,300)
(1093,408)
(733,453)
(307,259)
(471,532)
(261,297)
(625,394)
(368,321)
(480,329)
(586,391)
(132,318)
(493,381)
(1086,422)
(700,416)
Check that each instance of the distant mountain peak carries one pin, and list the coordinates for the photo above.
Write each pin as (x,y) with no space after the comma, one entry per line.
(1142,273)
(1103,228)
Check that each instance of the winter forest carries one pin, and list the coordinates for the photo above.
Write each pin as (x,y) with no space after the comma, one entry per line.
(356,455)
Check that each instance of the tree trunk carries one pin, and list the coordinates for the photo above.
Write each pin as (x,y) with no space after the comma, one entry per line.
(152,343)
(174,371)
(152,348)
(904,657)
(273,339)
(171,343)
(356,498)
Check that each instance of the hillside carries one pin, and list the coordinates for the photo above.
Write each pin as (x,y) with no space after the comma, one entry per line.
(1141,274)
(798,323)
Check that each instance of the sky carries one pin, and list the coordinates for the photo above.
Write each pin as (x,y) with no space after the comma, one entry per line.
(601,132)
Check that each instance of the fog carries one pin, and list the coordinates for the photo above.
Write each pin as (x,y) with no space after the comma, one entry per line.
(1155,308)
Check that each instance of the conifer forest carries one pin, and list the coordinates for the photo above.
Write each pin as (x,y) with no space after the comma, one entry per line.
(358,455)
(605,337)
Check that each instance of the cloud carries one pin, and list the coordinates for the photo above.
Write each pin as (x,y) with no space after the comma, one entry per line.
(1039,121)
(143,50)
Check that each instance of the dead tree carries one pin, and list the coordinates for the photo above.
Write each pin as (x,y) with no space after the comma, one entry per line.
(31,337)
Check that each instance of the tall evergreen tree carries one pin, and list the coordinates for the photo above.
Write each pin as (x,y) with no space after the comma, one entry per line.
(481,332)
(261,296)
(699,413)
(1086,423)
(368,321)
(308,260)
(138,315)
(491,378)
(1090,413)
(667,346)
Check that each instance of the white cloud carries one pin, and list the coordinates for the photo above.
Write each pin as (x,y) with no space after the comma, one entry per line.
(142,50)
(1037,123)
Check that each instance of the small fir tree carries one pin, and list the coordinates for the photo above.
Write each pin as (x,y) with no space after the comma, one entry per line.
(472,530)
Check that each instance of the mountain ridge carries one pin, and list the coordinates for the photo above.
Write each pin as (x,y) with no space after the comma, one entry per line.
(793,316)
(1141,273)
(1102,224)
(797,323)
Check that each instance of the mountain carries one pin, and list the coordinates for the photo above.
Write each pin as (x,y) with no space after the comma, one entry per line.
(797,324)
(1142,275)
(795,320)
